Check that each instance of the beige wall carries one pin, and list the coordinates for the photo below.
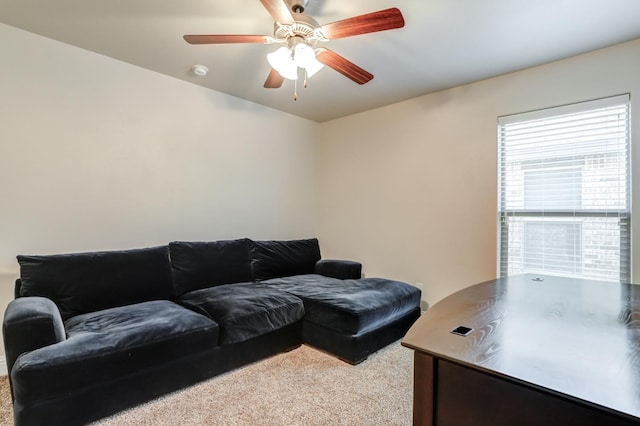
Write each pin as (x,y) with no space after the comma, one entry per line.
(98,154)
(410,189)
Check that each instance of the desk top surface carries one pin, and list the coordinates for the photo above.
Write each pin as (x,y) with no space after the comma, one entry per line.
(578,338)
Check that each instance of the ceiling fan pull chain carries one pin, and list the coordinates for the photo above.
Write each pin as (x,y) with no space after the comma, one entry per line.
(295,89)
(305,78)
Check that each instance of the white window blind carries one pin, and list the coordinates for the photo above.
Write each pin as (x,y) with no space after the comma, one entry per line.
(564,191)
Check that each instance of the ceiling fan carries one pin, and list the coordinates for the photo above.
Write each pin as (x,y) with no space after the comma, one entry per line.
(299,33)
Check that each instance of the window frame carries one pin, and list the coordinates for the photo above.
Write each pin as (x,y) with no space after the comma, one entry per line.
(504,212)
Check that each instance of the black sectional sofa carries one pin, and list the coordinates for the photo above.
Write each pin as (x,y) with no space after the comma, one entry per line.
(90,334)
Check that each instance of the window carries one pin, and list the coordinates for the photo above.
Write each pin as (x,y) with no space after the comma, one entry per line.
(564,191)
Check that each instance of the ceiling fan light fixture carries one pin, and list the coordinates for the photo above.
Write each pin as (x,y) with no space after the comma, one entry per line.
(313,66)
(282,61)
(303,55)
(286,60)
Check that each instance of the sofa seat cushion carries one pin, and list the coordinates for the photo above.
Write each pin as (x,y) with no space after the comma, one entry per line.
(113,343)
(245,310)
(350,306)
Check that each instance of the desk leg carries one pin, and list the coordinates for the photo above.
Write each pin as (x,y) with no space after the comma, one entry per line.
(423,389)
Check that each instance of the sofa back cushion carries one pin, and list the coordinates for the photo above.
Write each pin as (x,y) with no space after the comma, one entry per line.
(197,265)
(86,282)
(274,259)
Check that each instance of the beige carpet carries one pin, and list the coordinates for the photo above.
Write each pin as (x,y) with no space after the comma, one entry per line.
(302,387)
(6,413)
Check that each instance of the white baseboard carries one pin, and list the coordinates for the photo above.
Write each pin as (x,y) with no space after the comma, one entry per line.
(3,366)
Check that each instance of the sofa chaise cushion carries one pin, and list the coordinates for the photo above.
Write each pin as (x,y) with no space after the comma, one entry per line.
(197,265)
(272,259)
(245,310)
(112,343)
(86,282)
(350,306)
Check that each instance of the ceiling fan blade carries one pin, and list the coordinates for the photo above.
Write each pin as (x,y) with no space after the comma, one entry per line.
(279,10)
(274,80)
(343,66)
(381,20)
(225,39)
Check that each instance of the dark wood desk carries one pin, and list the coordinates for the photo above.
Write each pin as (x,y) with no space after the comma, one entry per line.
(543,351)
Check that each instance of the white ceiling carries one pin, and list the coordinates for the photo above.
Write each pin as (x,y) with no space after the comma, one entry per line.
(445,43)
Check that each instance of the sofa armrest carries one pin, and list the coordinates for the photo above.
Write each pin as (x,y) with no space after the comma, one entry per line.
(341,269)
(30,323)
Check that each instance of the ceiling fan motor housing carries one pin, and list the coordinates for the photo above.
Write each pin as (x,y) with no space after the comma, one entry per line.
(304,26)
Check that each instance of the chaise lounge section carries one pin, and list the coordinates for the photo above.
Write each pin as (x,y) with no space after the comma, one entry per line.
(90,334)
